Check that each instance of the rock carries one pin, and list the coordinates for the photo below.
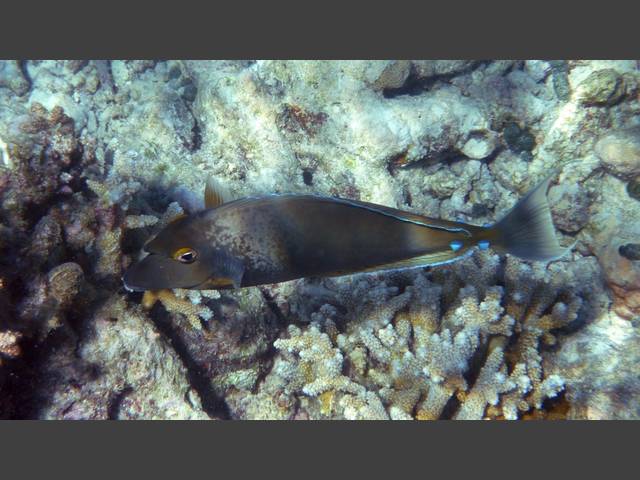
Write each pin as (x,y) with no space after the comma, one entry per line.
(74,66)
(518,139)
(600,382)
(560,77)
(538,69)
(394,75)
(11,77)
(630,251)
(570,206)
(141,66)
(631,84)
(620,151)
(189,92)
(633,189)
(432,68)
(480,145)
(174,72)
(126,369)
(602,87)
(623,276)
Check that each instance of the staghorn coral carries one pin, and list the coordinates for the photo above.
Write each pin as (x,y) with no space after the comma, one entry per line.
(425,354)
(492,382)
(320,364)
(181,302)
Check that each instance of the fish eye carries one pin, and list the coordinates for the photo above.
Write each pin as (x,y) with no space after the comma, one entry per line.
(185,255)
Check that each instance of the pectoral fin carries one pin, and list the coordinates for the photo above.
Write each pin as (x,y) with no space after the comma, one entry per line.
(227,273)
(217,284)
(234,271)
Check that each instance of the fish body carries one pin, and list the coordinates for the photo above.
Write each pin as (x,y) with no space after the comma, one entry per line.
(275,238)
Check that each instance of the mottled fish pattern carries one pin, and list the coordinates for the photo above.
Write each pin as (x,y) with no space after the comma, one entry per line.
(275,238)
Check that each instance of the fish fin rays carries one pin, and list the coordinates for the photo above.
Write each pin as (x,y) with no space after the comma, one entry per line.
(230,271)
(527,231)
(435,258)
(215,194)
(219,283)
(427,260)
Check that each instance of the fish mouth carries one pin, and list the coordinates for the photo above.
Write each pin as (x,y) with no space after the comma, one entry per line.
(131,289)
(139,276)
(129,283)
(158,272)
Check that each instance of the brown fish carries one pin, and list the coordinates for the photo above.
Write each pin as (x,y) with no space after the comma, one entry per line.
(275,238)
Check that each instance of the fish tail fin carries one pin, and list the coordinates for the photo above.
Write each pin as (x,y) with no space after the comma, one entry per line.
(527,231)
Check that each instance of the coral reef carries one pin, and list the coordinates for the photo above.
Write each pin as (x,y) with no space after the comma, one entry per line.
(95,156)
(122,369)
(466,341)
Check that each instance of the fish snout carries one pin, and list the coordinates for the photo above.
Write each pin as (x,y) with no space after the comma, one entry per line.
(133,280)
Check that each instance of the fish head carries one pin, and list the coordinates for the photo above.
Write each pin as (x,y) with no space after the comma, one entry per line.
(180,256)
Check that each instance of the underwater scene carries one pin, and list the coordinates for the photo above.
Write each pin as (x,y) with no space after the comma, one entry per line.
(293,240)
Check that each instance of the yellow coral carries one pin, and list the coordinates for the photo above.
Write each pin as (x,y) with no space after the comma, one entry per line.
(326,402)
(173,304)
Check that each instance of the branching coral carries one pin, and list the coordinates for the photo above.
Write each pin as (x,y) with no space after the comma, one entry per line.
(181,302)
(420,353)
(319,368)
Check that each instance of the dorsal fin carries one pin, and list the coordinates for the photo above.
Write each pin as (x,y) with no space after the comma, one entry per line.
(214,193)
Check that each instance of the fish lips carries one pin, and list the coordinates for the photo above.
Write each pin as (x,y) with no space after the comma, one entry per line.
(157,272)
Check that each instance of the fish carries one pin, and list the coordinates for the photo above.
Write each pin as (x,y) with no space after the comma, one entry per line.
(276,238)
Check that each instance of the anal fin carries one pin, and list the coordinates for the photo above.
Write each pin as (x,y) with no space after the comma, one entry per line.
(430,259)
(434,258)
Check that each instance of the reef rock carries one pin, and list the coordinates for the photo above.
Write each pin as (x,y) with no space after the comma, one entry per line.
(620,151)
(125,369)
(603,87)
(600,382)
(12,77)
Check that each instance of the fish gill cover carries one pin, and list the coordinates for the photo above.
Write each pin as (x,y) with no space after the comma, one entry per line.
(96,156)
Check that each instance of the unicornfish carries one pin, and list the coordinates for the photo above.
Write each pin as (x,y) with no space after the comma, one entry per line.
(275,238)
